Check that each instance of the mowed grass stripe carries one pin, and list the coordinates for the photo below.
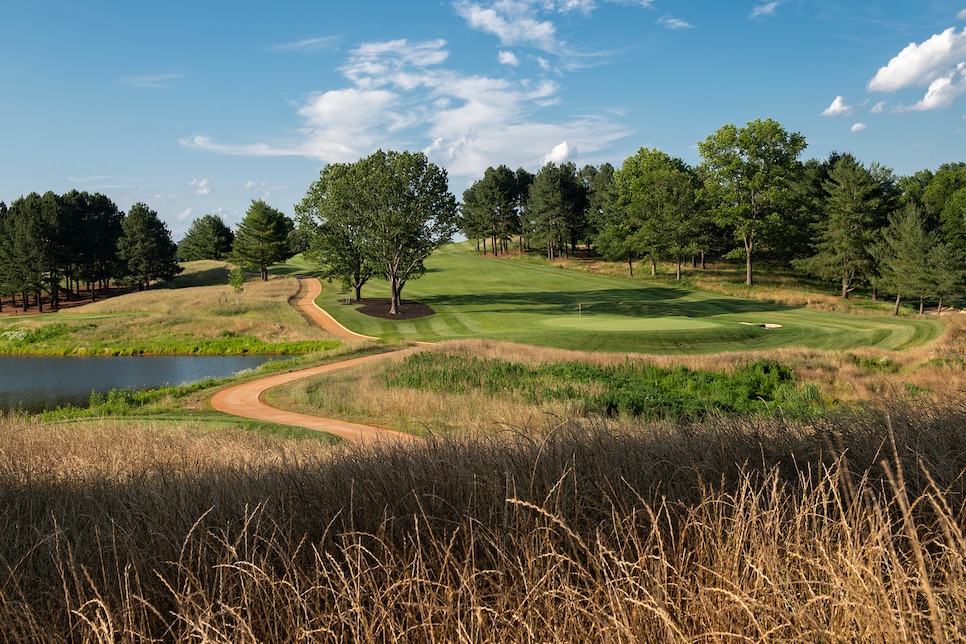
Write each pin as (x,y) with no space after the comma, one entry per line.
(478,296)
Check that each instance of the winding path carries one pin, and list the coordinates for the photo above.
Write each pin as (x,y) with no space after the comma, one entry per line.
(245,400)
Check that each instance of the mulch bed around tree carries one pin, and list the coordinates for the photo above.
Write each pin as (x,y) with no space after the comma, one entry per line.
(379,308)
(76,299)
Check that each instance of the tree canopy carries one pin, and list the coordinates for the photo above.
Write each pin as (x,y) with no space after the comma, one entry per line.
(146,247)
(207,238)
(747,172)
(385,213)
(262,238)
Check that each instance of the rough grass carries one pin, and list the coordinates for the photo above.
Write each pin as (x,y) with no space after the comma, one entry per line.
(190,317)
(845,529)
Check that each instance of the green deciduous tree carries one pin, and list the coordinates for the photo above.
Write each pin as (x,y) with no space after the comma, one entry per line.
(207,238)
(414,214)
(747,173)
(146,248)
(659,193)
(385,213)
(262,238)
(335,216)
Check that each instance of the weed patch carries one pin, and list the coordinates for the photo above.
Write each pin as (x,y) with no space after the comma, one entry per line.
(631,389)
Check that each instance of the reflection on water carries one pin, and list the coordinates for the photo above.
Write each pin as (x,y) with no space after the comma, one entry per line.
(34,383)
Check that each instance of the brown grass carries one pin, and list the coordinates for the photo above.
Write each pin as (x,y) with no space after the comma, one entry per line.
(732,530)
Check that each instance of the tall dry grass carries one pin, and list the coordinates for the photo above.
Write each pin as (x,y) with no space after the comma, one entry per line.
(846,529)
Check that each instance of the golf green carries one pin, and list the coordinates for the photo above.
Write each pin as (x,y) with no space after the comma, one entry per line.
(588,322)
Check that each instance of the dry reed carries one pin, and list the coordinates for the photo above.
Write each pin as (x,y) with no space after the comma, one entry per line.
(849,528)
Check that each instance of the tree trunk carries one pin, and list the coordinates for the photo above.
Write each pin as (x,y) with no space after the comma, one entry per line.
(358,293)
(747,268)
(845,288)
(939,309)
(875,293)
(653,267)
(678,277)
(630,265)
(922,304)
(264,272)
(703,265)
(895,310)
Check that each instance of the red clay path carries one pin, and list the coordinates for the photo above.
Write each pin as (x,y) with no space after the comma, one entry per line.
(245,400)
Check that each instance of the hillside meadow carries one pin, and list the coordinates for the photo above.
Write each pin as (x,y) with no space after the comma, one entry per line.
(830,509)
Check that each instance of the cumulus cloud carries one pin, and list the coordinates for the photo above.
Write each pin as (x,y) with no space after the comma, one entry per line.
(201,186)
(400,93)
(938,63)
(858,127)
(838,108)
(561,153)
(961,15)
(513,22)
(509,58)
(673,23)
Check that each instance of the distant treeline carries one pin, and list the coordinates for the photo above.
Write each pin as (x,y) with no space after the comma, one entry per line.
(751,198)
(61,244)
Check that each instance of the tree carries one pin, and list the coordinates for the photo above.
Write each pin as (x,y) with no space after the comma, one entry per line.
(262,238)
(146,247)
(489,208)
(207,238)
(660,193)
(903,255)
(747,172)
(557,208)
(599,187)
(851,205)
(413,213)
(335,216)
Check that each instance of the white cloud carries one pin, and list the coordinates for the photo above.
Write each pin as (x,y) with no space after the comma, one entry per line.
(858,127)
(767,9)
(673,23)
(943,91)
(509,58)
(878,108)
(513,22)
(155,81)
(184,214)
(921,64)
(838,108)
(401,96)
(561,153)
(961,15)
(201,186)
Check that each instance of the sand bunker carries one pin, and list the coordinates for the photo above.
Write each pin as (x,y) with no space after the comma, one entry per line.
(763,326)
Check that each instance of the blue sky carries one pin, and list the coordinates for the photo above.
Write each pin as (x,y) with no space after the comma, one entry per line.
(200,107)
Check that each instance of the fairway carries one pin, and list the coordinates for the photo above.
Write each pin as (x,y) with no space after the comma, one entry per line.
(476,296)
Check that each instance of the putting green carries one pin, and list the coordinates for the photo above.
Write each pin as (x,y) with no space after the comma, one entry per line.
(588,322)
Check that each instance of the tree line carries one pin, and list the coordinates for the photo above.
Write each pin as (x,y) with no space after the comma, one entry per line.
(59,245)
(750,198)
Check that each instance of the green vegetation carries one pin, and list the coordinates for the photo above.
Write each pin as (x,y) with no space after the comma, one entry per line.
(633,389)
(483,297)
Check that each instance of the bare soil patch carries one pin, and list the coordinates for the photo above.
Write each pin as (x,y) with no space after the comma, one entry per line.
(379,308)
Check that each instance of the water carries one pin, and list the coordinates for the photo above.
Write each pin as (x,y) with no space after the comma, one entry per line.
(34,383)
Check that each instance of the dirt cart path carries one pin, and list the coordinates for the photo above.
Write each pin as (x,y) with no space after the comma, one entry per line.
(245,400)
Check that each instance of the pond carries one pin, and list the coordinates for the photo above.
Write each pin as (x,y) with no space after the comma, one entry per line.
(34,383)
